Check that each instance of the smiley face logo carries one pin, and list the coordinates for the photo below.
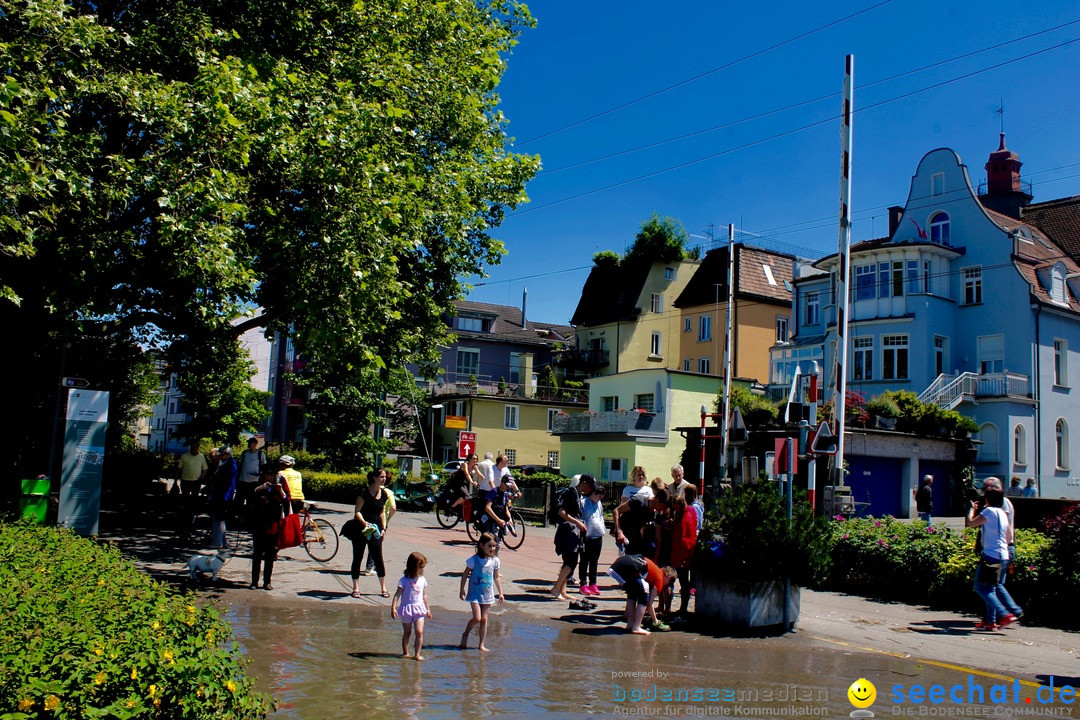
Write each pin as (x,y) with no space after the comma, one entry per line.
(862,693)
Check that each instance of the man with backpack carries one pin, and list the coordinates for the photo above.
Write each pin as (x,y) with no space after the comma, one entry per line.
(567,511)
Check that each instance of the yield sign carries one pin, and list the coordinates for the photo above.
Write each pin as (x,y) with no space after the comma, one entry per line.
(466,444)
(825,442)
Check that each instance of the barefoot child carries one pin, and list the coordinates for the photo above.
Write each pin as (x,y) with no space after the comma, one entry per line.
(482,577)
(412,591)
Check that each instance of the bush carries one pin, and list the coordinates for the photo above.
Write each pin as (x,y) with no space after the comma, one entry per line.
(748,538)
(86,635)
(333,487)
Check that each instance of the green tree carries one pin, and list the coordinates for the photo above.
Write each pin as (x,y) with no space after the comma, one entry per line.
(660,239)
(187,170)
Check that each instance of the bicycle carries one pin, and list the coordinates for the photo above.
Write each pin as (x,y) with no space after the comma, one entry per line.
(448,517)
(320,538)
(503,535)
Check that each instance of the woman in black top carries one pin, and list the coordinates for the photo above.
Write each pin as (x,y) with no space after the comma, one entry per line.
(369,513)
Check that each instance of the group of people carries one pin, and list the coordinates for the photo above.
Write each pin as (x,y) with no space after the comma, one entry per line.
(250,490)
(490,488)
(655,528)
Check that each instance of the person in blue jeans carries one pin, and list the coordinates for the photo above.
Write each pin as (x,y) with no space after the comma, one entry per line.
(997,536)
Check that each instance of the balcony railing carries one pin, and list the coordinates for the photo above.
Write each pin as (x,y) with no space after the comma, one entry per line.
(583,359)
(948,391)
(618,422)
(510,390)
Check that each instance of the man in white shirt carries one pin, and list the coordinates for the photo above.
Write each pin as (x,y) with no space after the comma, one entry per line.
(250,465)
(487,467)
(678,485)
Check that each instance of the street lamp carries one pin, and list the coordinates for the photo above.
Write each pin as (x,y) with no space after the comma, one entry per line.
(431,446)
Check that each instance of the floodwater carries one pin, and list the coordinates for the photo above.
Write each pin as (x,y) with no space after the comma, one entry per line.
(326,662)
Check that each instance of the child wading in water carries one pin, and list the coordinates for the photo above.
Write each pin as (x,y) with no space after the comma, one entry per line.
(412,591)
(482,577)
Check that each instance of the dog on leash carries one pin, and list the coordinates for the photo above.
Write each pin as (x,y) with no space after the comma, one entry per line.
(200,563)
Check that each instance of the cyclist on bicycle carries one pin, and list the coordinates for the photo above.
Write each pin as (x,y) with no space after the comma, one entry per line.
(461,483)
(494,514)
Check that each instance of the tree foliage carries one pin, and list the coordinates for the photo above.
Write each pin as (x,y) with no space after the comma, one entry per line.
(660,240)
(188,170)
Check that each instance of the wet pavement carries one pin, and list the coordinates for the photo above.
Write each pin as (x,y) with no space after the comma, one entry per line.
(323,654)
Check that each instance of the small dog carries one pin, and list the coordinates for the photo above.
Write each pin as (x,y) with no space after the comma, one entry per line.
(199,564)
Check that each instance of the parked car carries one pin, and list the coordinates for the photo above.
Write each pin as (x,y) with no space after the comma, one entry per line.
(453,466)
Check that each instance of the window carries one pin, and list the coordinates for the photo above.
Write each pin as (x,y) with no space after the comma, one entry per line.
(894,357)
(688,324)
(989,443)
(510,416)
(613,469)
(515,367)
(609,403)
(1019,445)
(883,279)
(937,184)
(172,407)
(645,402)
(862,366)
(813,308)
(973,286)
(864,283)
(939,355)
(1057,285)
(704,365)
(657,302)
(686,364)
(511,456)
(991,353)
(553,458)
(470,324)
(913,284)
(781,329)
(898,278)
(1061,370)
(1061,444)
(704,330)
(669,273)
(552,412)
(468,362)
(939,228)
(654,345)
(926,276)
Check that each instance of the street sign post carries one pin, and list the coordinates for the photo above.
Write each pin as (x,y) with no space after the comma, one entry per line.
(466,444)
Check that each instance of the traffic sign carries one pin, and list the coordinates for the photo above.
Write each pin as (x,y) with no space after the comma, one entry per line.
(74,382)
(466,444)
(824,442)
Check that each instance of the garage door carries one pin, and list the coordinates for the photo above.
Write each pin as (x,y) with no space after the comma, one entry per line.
(876,481)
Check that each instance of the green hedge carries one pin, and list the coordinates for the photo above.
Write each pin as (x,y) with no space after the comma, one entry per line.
(83,634)
(915,562)
(333,487)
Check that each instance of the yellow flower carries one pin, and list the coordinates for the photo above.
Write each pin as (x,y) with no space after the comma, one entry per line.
(131,703)
(52,702)
(98,651)
(198,692)
(101,581)
(231,685)
(134,673)
(156,625)
(167,655)
(25,704)
(99,678)
(157,702)
(191,608)
(153,690)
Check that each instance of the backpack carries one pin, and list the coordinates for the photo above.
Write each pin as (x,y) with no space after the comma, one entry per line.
(557,503)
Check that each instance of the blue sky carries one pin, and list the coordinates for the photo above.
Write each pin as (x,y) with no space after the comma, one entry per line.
(587,58)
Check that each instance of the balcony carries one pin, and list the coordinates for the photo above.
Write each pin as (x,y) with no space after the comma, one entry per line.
(488,387)
(576,359)
(948,391)
(619,422)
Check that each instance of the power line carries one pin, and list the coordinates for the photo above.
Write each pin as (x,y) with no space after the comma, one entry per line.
(785,133)
(797,105)
(695,78)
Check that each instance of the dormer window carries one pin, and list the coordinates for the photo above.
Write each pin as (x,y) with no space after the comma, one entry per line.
(1058,294)
(470,324)
(939,228)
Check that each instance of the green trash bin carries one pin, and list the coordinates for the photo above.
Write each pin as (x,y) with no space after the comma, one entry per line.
(34,503)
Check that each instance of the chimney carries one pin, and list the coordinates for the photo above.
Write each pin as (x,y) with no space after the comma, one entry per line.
(896,214)
(524,301)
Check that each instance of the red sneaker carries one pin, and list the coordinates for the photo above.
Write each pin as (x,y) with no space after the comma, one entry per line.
(986,626)
(1007,620)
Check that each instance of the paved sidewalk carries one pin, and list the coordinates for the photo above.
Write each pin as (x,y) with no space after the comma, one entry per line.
(927,635)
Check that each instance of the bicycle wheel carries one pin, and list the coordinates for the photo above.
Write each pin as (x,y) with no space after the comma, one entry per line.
(473,531)
(320,540)
(447,518)
(517,522)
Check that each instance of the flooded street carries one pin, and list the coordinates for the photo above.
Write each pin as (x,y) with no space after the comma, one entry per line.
(343,662)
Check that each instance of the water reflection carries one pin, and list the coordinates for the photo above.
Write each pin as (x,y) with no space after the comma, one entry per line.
(342,661)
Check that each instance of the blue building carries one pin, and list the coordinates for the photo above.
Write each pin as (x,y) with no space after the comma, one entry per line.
(971,303)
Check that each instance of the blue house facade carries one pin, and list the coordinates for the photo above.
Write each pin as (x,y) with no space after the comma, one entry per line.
(971,305)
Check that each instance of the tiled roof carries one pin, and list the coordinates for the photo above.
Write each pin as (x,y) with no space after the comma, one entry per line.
(751,279)
(506,325)
(1060,220)
(611,293)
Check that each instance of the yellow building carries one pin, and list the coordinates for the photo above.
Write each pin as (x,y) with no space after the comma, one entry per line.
(625,319)
(761,312)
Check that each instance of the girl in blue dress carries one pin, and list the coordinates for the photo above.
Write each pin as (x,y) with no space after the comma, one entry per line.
(481,577)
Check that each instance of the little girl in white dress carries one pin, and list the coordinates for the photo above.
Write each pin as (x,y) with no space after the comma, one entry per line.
(412,592)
